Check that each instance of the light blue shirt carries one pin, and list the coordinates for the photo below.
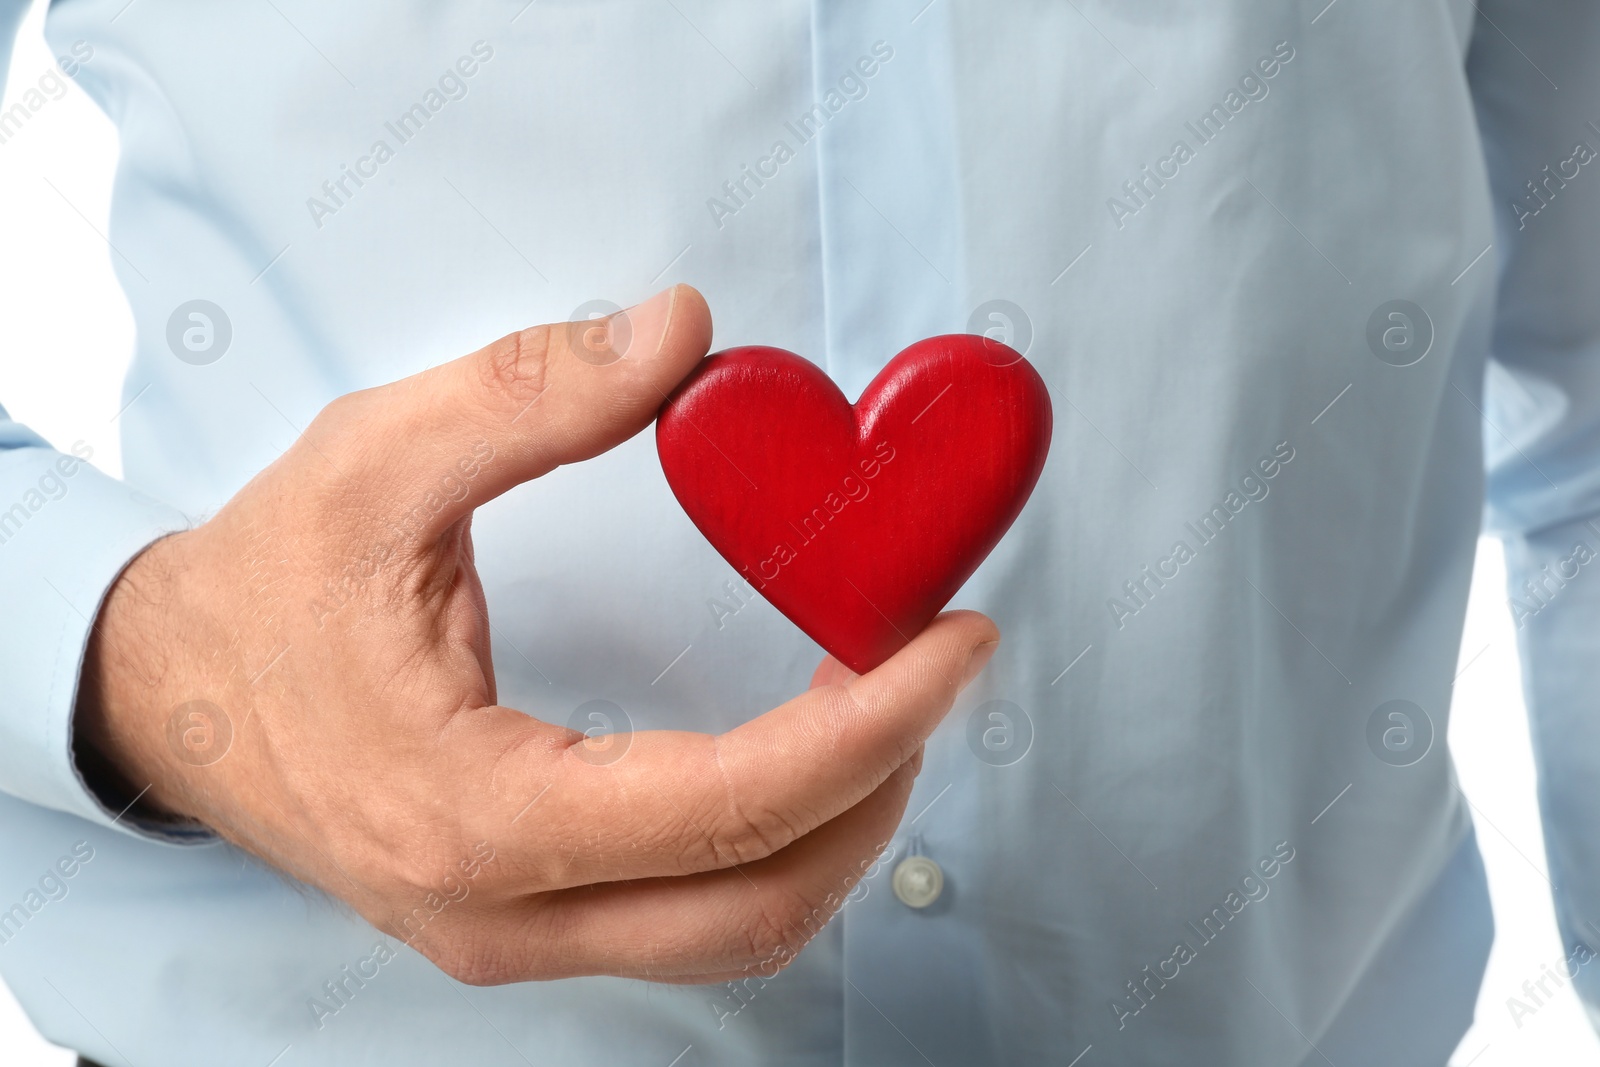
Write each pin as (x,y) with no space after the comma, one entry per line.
(1265,255)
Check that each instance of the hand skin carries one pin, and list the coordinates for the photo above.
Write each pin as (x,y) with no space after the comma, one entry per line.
(369,757)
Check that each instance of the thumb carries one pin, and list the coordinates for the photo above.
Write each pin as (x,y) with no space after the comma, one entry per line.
(831,672)
(433,446)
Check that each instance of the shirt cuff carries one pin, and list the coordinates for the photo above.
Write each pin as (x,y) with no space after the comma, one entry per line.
(67,531)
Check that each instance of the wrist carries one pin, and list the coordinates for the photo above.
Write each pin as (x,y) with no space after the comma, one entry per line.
(116,721)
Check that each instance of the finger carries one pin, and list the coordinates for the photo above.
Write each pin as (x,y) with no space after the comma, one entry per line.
(426,450)
(831,672)
(676,803)
(750,920)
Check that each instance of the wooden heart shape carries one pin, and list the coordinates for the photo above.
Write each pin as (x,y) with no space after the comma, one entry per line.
(857,523)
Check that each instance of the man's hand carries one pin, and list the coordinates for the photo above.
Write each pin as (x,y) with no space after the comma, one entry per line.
(332,611)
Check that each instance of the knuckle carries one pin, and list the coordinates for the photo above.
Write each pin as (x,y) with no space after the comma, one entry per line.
(344,409)
(431,886)
(837,704)
(417,862)
(477,950)
(343,423)
(354,434)
(466,960)
(745,835)
(777,929)
(695,849)
(742,832)
(516,367)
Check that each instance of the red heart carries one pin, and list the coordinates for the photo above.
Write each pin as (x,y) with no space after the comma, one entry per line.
(859,524)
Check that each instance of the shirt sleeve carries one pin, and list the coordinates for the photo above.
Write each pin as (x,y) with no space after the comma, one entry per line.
(66,533)
(1536,89)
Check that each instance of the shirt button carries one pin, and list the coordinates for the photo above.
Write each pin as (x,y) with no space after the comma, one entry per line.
(918,881)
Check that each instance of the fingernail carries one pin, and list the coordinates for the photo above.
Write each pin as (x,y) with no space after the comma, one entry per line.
(648,323)
(980,659)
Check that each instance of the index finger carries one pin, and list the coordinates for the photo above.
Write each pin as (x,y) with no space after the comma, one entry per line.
(681,803)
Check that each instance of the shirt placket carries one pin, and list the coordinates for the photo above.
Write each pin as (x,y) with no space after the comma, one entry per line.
(893,272)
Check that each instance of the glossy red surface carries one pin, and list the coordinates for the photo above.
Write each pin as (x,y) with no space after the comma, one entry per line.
(859,524)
